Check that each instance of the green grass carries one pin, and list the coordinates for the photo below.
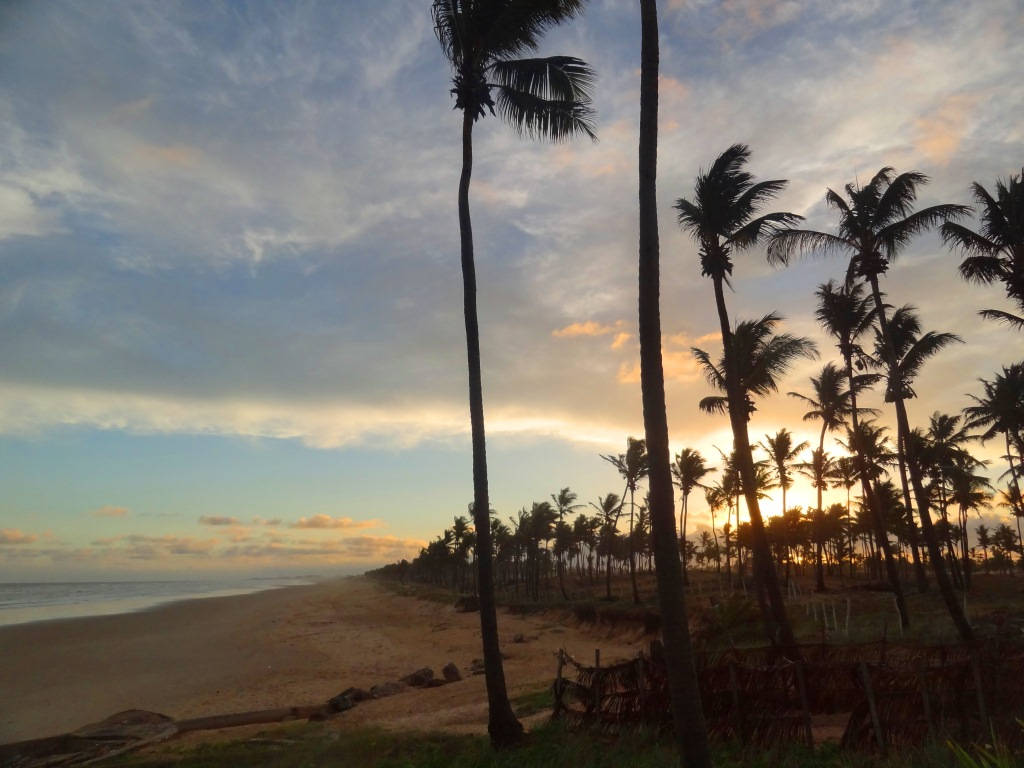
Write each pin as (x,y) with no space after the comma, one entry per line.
(540,700)
(550,746)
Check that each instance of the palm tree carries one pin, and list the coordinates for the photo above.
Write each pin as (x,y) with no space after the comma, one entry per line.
(753,359)
(542,98)
(876,222)
(633,466)
(984,541)
(996,253)
(830,403)
(716,497)
(684,692)
(564,503)
(688,469)
(781,453)
(846,314)
(817,471)
(1001,410)
(608,508)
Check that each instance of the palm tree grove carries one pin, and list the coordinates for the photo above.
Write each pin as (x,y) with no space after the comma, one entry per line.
(512,383)
(913,489)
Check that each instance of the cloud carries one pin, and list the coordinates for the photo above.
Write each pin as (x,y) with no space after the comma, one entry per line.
(587,328)
(218,520)
(111,511)
(14,536)
(326,521)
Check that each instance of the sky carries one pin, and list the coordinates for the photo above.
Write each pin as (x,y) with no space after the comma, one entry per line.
(230,295)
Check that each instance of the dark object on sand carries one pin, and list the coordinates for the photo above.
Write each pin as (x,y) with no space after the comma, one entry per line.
(385,689)
(418,679)
(451,672)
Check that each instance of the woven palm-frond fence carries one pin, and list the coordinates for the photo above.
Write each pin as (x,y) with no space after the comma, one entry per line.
(895,694)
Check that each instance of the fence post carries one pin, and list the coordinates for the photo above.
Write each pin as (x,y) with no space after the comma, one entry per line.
(641,686)
(737,705)
(596,690)
(557,708)
(925,700)
(976,671)
(802,690)
(869,693)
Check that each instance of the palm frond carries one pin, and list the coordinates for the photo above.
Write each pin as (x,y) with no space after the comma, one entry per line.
(897,234)
(540,118)
(1014,321)
(897,201)
(514,27)
(787,243)
(555,78)
(715,405)
(983,269)
(769,224)
(966,240)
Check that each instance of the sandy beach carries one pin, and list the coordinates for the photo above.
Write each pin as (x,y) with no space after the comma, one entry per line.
(285,647)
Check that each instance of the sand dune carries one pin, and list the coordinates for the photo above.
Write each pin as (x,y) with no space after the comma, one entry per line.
(292,646)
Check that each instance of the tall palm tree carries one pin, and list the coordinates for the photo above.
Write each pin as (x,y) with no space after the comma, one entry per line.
(565,502)
(876,222)
(846,314)
(633,466)
(996,253)
(540,97)
(781,453)
(829,402)
(753,359)
(684,693)
(716,497)
(817,471)
(608,507)
(1001,411)
(688,469)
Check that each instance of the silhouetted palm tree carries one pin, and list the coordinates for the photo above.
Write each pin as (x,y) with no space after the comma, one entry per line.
(996,253)
(688,469)
(564,503)
(684,692)
(540,97)
(753,359)
(876,222)
(633,466)
(829,402)
(608,508)
(781,453)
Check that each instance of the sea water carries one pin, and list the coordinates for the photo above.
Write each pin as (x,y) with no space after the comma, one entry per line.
(25,602)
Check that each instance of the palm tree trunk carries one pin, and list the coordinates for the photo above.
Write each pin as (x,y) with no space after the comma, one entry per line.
(682,539)
(874,508)
(931,540)
(684,692)
(818,521)
(779,629)
(632,552)
(901,460)
(502,725)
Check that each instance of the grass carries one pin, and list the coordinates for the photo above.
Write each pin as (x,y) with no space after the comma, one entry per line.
(532,702)
(550,746)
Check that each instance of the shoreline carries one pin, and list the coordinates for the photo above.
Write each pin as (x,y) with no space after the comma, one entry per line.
(118,606)
(293,646)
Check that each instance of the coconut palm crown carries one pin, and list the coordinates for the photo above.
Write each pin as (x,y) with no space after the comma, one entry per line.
(996,252)
(545,98)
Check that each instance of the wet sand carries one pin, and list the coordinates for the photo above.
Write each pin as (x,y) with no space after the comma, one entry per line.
(280,648)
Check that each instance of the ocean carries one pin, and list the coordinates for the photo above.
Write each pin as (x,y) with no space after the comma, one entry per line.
(25,602)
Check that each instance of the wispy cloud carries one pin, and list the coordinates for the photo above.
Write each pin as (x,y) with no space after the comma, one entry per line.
(14,536)
(326,521)
(218,520)
(111,511)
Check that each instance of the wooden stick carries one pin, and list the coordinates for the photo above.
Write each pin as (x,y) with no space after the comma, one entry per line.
(802,689)
(869,693)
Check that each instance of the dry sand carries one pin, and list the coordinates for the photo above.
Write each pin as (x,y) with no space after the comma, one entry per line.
(285,647)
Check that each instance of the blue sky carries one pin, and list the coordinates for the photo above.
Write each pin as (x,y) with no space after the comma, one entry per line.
(229,279)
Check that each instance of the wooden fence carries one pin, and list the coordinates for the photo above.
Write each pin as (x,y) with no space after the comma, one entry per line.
(892,694)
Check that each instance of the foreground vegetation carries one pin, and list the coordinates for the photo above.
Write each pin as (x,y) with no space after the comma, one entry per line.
(314,745)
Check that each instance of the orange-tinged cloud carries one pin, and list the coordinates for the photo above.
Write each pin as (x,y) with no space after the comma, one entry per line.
(110,511)
(941,131)
(588,328)
(14,536)
(620,340)
(326,521)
